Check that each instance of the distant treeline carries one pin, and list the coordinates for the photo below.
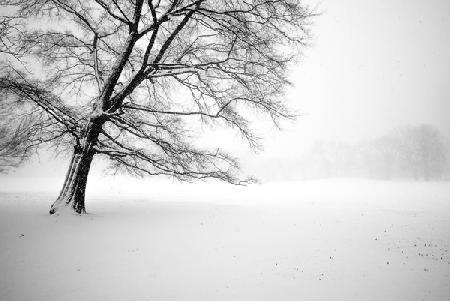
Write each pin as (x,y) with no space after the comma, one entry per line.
(414,152)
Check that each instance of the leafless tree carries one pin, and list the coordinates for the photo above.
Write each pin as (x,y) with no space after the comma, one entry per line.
(418,152)
(125,79)
(424,152)
(13,146)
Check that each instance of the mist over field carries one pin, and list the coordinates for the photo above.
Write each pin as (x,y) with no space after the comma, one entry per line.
(419,153)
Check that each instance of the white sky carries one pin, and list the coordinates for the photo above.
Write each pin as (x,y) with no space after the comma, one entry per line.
(373,65)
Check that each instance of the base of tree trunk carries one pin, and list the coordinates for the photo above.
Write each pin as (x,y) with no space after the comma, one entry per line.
(74,206)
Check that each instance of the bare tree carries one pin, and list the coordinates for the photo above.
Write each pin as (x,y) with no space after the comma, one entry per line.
(13,150)
(419,152)
(125,79)
(424,153)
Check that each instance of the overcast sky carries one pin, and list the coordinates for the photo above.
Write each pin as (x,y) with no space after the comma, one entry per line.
(373,65)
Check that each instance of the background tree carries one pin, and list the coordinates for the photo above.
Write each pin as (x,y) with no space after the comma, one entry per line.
(424,152)
(418,152)
(127,80)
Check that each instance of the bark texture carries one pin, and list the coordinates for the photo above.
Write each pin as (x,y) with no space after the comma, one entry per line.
(73,192)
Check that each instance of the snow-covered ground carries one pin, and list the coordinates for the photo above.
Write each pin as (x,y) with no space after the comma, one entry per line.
(316,240)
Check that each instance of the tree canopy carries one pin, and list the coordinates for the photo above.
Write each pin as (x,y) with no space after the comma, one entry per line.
(141,72)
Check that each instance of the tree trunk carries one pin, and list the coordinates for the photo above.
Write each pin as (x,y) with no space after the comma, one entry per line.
(74,187)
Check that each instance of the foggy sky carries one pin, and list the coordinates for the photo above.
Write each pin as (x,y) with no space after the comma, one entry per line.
(372,66)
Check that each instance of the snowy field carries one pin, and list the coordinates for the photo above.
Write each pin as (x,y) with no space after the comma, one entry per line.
(316,240)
